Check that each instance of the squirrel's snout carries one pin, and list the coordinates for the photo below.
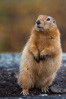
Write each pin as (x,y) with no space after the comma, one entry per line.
(38,22)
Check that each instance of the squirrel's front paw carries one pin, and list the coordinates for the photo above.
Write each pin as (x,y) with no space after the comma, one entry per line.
(36,58)
(43,57)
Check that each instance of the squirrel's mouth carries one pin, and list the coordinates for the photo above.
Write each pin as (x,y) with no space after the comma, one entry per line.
(38,26)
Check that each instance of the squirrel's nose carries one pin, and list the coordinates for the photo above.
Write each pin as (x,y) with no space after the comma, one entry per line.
(38,22)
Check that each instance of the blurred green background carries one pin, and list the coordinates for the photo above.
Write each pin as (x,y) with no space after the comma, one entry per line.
(17,18)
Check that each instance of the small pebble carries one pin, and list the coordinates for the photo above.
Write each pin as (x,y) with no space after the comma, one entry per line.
(43,94)
(59,95)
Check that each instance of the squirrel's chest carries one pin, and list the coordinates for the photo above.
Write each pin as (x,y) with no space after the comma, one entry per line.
(42,44)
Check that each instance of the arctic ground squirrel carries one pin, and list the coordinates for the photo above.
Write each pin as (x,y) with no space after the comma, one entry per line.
(42,55)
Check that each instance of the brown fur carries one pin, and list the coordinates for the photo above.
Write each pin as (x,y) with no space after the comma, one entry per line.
(43,42)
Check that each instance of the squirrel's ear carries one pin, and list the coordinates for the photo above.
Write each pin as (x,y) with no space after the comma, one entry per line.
(54,21)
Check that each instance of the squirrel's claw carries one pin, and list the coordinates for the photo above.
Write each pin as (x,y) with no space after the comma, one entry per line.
(36,59)
(45,89)
(25,92)
(43,57)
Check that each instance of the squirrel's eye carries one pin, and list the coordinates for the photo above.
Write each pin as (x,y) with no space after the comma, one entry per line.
(48,19)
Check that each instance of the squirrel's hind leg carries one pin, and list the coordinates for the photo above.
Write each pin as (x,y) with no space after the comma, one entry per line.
(25,79)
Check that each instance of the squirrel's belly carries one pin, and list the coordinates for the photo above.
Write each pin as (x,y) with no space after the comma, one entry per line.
(49,66)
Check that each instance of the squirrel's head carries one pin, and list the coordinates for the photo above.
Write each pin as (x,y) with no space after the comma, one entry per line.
(44,23)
